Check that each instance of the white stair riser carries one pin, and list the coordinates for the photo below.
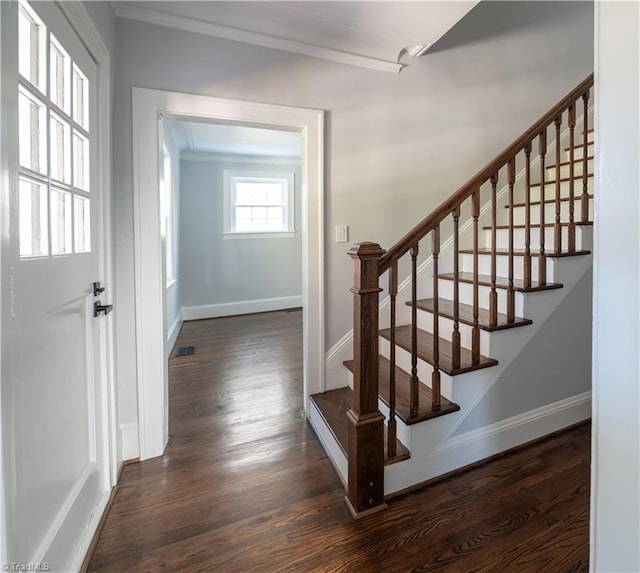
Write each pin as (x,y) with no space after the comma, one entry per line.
(466,296)
(502,266)
(502,238)
(403,360)
(550,190)
(445,326)
(519,213)
(566,169)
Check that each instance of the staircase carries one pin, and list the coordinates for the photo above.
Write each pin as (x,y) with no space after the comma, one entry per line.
(438,366)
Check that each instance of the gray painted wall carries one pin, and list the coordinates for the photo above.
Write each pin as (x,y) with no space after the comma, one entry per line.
(397,145)
(215,270)
(529,382)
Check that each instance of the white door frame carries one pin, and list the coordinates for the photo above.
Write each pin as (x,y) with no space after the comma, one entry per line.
(148,107)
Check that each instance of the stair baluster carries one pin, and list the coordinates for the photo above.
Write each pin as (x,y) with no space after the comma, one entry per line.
(475,333)
(542,259)
(511,295)
(557,228)
(493,295)
(391,424)
(571,245)
(455,336)
(415,382)
(435,376)
(585,156)
(527,217)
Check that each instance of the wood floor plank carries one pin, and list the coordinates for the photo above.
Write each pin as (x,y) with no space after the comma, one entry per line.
(245,486)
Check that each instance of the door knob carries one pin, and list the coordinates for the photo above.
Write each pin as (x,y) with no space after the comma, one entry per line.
(104,308)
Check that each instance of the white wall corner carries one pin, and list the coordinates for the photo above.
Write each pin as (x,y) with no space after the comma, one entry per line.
(129,441)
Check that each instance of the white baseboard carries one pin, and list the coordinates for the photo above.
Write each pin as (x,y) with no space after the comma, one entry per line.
(519,429)
(240,307)
(174,330)
(129,441)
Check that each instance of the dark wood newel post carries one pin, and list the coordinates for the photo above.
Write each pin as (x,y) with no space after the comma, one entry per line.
(365,491)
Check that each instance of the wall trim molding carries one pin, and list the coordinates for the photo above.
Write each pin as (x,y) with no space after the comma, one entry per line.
(129,441)
(236,35)
(212,157)
(581,403)
(240,307)
(174,330)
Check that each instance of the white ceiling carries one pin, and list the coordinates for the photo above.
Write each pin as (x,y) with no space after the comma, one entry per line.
(204,137)
(365,33)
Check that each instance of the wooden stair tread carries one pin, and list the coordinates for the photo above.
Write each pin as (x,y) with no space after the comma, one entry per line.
(521,253)
(334,405)
(425,351)
(403,381)
(501,282)
(445,308)
(578,197)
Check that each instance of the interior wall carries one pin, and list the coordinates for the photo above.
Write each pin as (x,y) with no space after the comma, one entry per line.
(397,145)
(529,383)
(615,488)
(222,276)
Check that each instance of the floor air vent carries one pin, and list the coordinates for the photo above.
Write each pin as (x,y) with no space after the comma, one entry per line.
(186,351)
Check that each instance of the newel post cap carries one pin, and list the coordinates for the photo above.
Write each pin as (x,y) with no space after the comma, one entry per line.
(366,250)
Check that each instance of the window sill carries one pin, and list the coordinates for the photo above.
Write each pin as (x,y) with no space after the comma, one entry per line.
(261,235)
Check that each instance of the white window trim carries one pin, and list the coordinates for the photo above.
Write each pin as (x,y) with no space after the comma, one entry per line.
(227,230)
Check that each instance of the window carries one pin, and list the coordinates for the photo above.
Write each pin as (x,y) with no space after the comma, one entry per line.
(53,144)
(258,204)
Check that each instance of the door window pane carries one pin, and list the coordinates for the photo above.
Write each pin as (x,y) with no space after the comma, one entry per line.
(61,225)
(32,198)
(83,224)
(32,132)
(53,143)
(59,149)
(32,63)
(80,161)
(80,98)
(60,76)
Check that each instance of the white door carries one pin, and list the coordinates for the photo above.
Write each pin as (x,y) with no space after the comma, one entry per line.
(55,457)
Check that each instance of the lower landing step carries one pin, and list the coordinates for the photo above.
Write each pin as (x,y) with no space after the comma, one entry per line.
(334,405)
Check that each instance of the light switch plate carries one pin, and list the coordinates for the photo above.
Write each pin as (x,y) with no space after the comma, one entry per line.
(342,233)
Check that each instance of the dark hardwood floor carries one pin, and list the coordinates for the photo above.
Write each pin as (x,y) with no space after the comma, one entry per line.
(245,486)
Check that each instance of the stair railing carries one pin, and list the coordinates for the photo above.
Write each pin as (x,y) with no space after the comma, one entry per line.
(366,428)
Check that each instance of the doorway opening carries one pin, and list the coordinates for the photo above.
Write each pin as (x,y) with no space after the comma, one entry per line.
(151,321)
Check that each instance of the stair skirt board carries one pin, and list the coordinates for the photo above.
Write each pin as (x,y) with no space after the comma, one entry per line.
(465,449)
(329,443)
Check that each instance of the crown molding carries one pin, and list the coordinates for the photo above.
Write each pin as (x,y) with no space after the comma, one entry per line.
(234,34)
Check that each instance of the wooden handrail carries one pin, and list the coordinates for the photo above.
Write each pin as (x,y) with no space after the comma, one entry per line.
(430,222)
